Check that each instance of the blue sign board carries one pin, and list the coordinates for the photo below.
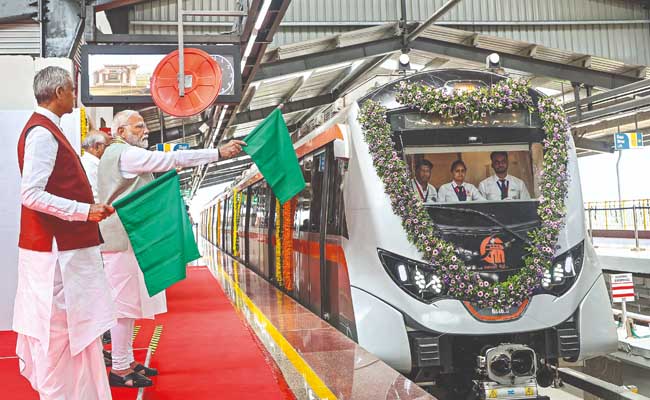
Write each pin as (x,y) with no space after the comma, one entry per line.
(628,140)
(172,146)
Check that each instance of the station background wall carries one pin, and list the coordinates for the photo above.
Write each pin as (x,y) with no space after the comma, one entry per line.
(16,105)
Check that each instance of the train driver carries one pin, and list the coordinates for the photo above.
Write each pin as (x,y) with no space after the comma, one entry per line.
(421,186)
(502,186)
(458,189)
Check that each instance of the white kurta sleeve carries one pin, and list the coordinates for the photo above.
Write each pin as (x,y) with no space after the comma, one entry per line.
(36,172)
(135,160)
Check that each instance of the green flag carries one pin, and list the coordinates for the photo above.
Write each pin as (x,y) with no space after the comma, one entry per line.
(160,232)
(270,147)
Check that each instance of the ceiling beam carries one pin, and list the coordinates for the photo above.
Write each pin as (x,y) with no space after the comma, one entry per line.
(600,146)
(627,106)
(325,58)
(104,5)
(525,64)
(100,37)
(611,94)
(292,106)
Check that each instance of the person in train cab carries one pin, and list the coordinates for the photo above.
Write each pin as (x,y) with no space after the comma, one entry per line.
(420,183)
(458,189)
(93,146)
(126,166)
(502,186)
(63,301)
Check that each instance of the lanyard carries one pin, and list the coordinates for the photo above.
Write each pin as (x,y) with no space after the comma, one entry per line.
(422,196)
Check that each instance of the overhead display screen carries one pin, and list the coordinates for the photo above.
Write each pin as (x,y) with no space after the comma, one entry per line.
(121,74)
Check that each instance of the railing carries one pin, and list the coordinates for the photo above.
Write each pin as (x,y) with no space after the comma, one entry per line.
(628,219)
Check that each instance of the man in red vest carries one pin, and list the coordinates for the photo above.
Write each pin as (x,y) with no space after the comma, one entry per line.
(63,302)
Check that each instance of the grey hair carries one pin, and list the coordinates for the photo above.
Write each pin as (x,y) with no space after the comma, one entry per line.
(47,81)
(94,137)
(120,119)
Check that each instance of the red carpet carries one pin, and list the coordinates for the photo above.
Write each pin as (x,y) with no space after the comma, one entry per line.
(13,385)
(206,351)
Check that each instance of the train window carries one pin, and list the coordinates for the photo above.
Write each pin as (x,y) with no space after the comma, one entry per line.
(336,224)
(485,173)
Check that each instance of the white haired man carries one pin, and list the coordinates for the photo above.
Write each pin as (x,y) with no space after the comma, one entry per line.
(63,301)
(94,146)
(126,166)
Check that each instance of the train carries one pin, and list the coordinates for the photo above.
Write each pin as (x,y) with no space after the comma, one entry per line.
(342,249)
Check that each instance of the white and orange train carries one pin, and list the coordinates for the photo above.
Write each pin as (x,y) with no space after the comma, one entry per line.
(353,265)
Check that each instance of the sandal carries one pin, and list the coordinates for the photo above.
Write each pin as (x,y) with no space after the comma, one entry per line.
(137,380)
(108,359)
(147,371)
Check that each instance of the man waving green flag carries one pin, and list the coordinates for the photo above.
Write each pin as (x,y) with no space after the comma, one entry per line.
(270,147)
(156,221)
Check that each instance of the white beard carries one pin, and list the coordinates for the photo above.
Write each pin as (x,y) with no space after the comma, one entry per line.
(134,141)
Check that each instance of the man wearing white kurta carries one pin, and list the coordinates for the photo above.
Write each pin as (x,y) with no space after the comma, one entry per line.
(63,302)
(421,186)
(502,186)
(126,166)
(94,146)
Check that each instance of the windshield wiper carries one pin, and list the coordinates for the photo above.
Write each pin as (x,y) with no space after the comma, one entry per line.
(485,215)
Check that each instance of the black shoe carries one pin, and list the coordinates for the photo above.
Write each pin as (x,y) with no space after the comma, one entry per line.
(108,358)
(132,380)
(147,371)
(106,337)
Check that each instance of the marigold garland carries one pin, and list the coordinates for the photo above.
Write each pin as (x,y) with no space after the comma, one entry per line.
(236,200)
(288,210)
(218,227)
(278,242)
(507,95)
(83,125)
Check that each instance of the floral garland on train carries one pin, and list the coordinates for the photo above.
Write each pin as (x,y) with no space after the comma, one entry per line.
(507,95)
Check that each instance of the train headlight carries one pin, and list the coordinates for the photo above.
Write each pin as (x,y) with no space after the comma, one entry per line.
(500,365)
(564,270)
(511,363)
(416,278)
(523,362)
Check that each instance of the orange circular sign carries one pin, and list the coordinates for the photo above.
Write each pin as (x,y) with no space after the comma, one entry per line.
(202,83)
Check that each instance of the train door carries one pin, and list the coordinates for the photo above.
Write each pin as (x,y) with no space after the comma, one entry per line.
(308,227)
(316,237)
(337,297)
(301,236)
(264,215)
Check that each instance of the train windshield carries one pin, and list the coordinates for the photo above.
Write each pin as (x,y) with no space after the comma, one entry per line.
(479,181)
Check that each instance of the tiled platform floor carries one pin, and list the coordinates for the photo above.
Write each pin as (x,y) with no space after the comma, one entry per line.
(345,368)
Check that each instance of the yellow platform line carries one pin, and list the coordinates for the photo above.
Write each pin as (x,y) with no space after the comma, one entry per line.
(313,380)
(155,338)
(136,329)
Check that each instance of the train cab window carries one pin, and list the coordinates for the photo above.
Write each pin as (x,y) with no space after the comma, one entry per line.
(477,173)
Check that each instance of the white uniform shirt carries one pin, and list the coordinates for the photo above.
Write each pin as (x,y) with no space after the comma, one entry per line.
(428,195)
(91,163)
(516,188)
(81,273)
(447,193)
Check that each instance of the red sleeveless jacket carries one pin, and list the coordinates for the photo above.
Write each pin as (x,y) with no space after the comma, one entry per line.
(68,180)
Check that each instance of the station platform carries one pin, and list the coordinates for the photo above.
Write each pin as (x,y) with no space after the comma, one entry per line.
(317,360)
(202,347)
